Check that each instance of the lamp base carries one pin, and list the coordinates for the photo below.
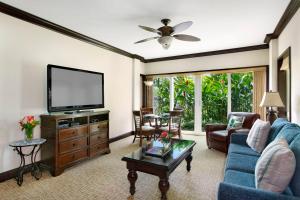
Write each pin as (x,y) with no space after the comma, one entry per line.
(271,116)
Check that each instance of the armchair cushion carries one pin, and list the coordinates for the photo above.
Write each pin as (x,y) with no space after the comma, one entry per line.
(235,122)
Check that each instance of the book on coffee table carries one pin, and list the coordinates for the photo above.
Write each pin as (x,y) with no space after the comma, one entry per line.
(159,152)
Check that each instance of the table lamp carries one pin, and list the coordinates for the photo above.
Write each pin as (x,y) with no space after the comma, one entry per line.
(271,99)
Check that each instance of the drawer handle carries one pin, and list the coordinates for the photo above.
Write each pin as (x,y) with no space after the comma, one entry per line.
(74,144)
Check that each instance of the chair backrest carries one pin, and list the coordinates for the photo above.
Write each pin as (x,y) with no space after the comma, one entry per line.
(250,118)
(148,110)
(137,119)
(175,118)
(144,111)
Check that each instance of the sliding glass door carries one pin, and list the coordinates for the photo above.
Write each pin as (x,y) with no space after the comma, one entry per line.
(161,95)
(214,98)
(184,98)
(208,96)
(242,92)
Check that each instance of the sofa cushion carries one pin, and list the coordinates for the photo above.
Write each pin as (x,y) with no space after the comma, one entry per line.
(275,168)
(239,178)
(276,127)
(242,149)
(289,132)
(295,183)
(240,162)
(258,135)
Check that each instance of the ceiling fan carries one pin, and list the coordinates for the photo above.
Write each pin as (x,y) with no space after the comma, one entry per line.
(167,33)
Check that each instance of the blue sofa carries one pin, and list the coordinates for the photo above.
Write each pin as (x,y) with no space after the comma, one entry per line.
(239,179)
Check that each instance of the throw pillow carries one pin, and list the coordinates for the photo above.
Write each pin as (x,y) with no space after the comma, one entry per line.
(276,166)
(235,122)
(258,135)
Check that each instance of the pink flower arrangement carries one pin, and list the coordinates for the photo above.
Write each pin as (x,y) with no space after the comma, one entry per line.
(165,137)
(28,122)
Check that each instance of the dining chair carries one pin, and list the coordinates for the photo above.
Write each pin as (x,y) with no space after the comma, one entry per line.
(141,131)
(144,111)
(173,126)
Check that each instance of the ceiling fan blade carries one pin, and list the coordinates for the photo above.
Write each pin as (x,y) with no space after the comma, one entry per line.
(186,37)
(147,39)
(149,29)
(182,26)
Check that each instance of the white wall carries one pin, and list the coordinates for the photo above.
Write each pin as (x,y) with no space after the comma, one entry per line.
(232,60)
(25,51)
(290,37)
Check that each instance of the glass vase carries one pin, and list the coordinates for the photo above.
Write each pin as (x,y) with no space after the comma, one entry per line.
(28,134)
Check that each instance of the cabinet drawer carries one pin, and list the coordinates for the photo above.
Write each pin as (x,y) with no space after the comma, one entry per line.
(98,148)
(72,145)
(72,132)
(72,157)
(99,127)
(98,138)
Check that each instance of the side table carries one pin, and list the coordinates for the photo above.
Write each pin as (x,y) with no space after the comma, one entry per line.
(36,146)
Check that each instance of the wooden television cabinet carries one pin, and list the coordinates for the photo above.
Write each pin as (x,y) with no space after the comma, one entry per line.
(72,138)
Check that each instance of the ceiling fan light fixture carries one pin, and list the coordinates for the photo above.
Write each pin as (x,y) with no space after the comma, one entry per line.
(165,41)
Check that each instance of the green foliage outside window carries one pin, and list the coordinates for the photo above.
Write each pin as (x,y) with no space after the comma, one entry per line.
(242,92)
(184,98)
(214,98)
(161,95)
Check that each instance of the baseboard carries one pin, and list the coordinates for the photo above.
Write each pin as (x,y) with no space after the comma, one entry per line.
(4,176)
(120,137)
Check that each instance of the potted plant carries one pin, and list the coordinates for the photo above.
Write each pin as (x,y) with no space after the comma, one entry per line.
(28,123)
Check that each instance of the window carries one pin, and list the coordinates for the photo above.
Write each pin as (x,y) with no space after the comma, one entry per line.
(214,98)
(242,92)
(161,95)
(184,98)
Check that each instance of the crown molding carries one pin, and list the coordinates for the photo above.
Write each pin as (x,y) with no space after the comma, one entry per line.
(25,16)
(210,53)
(284,20)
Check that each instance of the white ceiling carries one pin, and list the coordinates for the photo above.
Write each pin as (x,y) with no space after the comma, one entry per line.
(220,24)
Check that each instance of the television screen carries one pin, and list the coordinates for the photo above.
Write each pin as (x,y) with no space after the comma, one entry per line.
(74,89)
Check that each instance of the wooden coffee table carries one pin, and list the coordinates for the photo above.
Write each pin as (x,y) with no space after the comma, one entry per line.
(138,161)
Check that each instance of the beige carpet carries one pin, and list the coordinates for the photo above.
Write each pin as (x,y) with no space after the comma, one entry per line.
(106,178)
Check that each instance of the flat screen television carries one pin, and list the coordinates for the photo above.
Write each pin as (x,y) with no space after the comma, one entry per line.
(72,89)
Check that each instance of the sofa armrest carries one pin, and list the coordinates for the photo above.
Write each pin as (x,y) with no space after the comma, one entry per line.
(236,192)
(215,127)
(238,138)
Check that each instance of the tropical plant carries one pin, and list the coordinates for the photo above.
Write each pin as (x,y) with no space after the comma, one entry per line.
(161,94)
(214,98)
(184,98)
(242,92)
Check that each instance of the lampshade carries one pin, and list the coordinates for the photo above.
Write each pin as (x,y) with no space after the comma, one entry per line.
(148,83)
(285,64)
(165,41)
(271,99)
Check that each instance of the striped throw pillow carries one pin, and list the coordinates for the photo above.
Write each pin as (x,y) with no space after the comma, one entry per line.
(258,135)
(275,168)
